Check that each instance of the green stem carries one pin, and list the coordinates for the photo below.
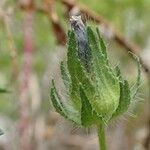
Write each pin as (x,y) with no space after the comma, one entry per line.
(101,136)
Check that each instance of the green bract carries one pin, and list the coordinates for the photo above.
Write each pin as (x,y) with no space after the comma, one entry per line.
(94,96)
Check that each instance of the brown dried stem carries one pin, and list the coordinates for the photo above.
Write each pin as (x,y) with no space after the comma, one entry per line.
(49,8)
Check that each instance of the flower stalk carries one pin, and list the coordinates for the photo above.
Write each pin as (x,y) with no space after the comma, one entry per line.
(101,136)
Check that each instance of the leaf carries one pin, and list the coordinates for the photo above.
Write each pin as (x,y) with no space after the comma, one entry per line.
(102,45)
(84,52)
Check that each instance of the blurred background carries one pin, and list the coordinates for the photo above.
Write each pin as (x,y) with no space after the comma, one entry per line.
(32,44)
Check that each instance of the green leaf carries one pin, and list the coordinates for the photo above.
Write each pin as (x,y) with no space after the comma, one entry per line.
(2,90)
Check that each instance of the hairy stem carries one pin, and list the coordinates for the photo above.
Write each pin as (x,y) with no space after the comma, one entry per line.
(101,136)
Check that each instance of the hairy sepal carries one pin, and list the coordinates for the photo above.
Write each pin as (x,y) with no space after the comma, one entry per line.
(65,76)
(102,45)
(107,93)
(125,98)
(134,89)
(88,116)
(77,72)
(65,109)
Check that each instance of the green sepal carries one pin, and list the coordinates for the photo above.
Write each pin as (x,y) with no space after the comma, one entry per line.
(87,115)
(124,100)
(108,89)
(65,109)
(65,76)
(77,72)
(74,69)
(134,89)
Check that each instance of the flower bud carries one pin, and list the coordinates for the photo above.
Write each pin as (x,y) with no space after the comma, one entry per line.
(95,96)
